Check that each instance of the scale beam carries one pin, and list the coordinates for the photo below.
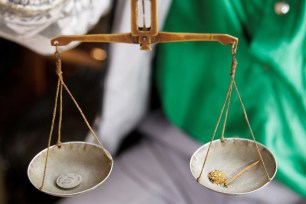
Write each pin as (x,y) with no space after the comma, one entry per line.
(144,35)
(145,41)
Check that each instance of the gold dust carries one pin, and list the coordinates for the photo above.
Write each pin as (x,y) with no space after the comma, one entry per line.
(217,177)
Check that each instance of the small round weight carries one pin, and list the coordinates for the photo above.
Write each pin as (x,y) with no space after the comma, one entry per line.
(74,168)
(68,180)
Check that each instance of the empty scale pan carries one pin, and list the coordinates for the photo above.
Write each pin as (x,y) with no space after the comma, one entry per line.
(235,160)
(72,168)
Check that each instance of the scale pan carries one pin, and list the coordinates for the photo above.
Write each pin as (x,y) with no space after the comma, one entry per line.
(231,156)
(74,168)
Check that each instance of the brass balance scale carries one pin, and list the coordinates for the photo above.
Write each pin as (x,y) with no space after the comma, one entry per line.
(234,165)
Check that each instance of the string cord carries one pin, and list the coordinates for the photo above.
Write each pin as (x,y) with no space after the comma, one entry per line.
(60,77)
(227,100)
(50,134)
(59,95)
(232,74)
(215,129)
(227,109)
(251,131)
(84,118)
(59,91)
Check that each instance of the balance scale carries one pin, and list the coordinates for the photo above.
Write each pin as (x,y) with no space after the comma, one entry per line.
(225,165)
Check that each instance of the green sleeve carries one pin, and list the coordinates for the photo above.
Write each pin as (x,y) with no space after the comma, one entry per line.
(192,78)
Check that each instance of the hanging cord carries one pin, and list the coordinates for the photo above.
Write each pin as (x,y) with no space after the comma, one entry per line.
(233,70)
(227,100)
(52,124)
(59,73)
(214,133)
(85,120)
(59,94)
(249,125)
(50,135)
(60,77)
(227,108)
(232,74)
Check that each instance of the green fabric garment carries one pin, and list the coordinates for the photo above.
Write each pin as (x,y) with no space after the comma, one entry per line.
(193,77)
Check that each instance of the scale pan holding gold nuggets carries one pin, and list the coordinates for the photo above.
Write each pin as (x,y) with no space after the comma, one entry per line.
(70,168)
(233,166)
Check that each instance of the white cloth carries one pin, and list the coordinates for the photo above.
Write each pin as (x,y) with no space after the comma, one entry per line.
(156,171)
(126,91)
(33,23)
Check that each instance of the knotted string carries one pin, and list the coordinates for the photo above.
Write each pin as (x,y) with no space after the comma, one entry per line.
(59,94)
(58,91)
(227,101)
(249,125)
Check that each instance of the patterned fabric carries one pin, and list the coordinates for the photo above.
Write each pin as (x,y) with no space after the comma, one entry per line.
(33,23)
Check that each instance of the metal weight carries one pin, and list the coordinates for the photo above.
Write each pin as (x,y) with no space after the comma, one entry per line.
(230,157)
(73,168)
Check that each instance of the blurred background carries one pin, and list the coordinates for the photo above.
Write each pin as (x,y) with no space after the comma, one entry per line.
(27,92)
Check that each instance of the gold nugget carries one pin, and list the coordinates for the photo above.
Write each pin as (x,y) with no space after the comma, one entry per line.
(217,177)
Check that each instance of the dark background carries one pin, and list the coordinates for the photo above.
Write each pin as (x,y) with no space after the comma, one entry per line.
(27,92)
